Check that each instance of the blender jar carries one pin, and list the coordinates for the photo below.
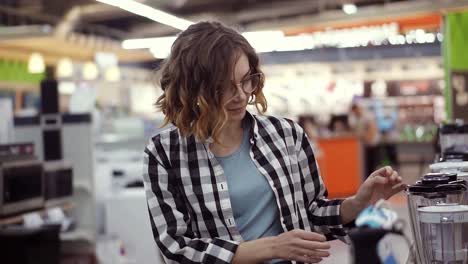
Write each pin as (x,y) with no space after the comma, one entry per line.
(442,233)
(432,189)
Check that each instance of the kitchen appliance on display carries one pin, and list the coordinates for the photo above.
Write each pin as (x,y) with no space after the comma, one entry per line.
(443,230)
(432,190)
(58,182)
(454,152)
(453,135)
(21,179)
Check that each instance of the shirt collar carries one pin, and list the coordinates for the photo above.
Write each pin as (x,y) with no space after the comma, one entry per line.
(253,128)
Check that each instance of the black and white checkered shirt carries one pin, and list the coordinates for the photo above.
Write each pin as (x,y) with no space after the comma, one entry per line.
(188,197)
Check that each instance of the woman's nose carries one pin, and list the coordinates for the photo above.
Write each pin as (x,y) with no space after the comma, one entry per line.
(240,94)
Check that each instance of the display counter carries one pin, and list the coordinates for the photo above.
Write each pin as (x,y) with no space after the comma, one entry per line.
(341,165)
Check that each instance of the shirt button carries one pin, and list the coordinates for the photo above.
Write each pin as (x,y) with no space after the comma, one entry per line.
(224,204)
(230,222)
(222,186)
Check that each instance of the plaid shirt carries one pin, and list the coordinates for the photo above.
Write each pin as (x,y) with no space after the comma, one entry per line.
(188,197)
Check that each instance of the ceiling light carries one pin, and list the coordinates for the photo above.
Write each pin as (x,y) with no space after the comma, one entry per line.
(160,47)
(160,53)
(36,63)
(350,9)
(146,43)
(264,41)
(65,68)
(90,71)
(112,74)
(149,12)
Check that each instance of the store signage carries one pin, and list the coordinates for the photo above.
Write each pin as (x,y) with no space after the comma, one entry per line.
(459,84)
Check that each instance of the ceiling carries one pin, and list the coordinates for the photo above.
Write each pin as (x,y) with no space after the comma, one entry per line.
(80,28)
(108,21)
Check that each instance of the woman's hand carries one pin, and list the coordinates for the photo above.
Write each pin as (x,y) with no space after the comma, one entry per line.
(298,245)
(381,184)
(302,246)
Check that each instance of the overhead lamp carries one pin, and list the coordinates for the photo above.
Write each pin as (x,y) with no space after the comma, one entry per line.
(149,12)
(146,43)
(264,41)
(160,53)
(112,74)
(36,63)
(90,71)
(65,68)
(350,9)
(260,40)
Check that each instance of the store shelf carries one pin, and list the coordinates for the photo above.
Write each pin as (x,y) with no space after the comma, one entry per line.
(18,219)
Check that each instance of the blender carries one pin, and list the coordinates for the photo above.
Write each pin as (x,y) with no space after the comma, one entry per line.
(442,229)
(435,189)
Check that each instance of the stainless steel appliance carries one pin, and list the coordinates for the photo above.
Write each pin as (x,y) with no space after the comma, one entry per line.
(21,179)
(453,135)
(443,231)
(435,189)
(58,182)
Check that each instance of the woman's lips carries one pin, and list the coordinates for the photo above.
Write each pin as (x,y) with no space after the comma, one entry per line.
(236,109)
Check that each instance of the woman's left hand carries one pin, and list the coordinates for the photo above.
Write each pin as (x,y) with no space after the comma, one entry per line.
(381,184)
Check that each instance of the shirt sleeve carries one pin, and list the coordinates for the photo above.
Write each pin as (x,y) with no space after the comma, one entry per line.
(325,213)
(170,220)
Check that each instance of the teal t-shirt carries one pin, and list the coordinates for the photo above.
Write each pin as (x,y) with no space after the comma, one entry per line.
(253,201)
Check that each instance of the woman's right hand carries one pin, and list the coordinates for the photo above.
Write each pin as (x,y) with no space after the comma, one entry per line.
(297,245)
(300,245)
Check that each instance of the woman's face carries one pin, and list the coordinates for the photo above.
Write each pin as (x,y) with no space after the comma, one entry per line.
(235,98)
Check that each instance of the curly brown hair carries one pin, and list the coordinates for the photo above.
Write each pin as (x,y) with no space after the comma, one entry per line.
(195,74)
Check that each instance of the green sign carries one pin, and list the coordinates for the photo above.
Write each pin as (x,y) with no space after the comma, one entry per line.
(455,52)
(14,71)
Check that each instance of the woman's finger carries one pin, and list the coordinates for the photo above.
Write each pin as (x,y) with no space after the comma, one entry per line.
(396,189)
(314,245)
(384,171)
(399,187)
(311,236)
(306,259)
(311,253)
(379,180)
(393,176)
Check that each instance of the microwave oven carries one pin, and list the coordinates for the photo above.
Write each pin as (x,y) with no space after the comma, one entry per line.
(21,179)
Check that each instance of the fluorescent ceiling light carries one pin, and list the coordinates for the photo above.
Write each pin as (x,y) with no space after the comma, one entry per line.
(149,12)
(350,9)
(268,41)
(146,43)
(262,41)
(160,53)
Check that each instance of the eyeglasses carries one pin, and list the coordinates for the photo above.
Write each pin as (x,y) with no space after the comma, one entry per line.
(249,84)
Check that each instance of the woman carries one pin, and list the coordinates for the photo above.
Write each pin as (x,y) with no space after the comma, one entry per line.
(226,186)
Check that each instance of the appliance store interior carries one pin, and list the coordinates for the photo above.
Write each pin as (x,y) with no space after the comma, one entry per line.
(79,82)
